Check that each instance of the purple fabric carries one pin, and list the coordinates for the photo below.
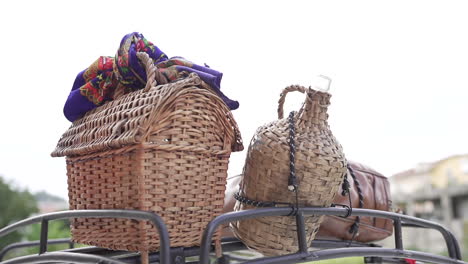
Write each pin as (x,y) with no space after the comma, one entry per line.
(98,83)
(212,78)
(77,104)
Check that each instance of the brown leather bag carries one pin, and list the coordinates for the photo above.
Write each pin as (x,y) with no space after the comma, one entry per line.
(375,191)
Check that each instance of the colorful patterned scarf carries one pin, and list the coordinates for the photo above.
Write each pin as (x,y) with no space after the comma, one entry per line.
(109,76)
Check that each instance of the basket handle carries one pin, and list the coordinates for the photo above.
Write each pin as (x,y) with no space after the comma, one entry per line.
(291,88)
(153,76)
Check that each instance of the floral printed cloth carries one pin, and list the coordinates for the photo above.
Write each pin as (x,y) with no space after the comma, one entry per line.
(110,76)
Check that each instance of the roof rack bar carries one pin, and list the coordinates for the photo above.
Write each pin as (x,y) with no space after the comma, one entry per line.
(231,217)
(398,234)
(451,242)
(13,246)
(44,235)
(355,252)
(128,214)
(333,243)
(53,257)
(301,233)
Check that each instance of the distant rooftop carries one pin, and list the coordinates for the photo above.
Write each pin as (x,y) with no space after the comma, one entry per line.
(423,167)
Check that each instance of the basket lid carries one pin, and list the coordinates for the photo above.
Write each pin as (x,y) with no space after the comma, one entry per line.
(127,120)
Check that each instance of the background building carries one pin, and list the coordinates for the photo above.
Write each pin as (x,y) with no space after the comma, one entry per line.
(436,191)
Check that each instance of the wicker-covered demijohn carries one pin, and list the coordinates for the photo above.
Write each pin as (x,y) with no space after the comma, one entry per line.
(164,149)
(320,166)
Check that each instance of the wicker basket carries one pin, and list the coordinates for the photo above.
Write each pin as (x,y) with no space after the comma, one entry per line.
(164,149)
(320,167)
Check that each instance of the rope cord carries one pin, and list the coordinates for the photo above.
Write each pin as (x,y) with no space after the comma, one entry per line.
(354,229)
(345,186)
(292,180)
(256,203)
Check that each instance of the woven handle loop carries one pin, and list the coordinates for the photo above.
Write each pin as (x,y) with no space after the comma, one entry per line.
(153,76)
(291,88)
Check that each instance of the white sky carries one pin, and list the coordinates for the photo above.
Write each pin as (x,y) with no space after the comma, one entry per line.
(399,70)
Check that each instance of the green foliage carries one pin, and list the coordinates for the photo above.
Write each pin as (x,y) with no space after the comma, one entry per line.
(57,229)
(15,205)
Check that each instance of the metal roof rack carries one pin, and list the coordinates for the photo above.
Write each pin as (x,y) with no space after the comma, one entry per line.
(328,249)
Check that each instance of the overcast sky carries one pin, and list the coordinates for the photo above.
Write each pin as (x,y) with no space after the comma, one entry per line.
(399,70)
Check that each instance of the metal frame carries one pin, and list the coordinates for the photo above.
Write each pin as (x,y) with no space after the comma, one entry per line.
(304,255)
(128,214)
(62,257)
(13,246)
(229,244)
(333,249)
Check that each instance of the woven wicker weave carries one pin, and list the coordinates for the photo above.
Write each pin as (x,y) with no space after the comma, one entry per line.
(164,149)
(320,166)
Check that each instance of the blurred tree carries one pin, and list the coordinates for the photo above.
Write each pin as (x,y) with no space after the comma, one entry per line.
(57,229)
(15,205)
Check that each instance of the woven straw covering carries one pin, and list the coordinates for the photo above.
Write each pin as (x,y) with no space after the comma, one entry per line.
(320,167)
(164,149)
